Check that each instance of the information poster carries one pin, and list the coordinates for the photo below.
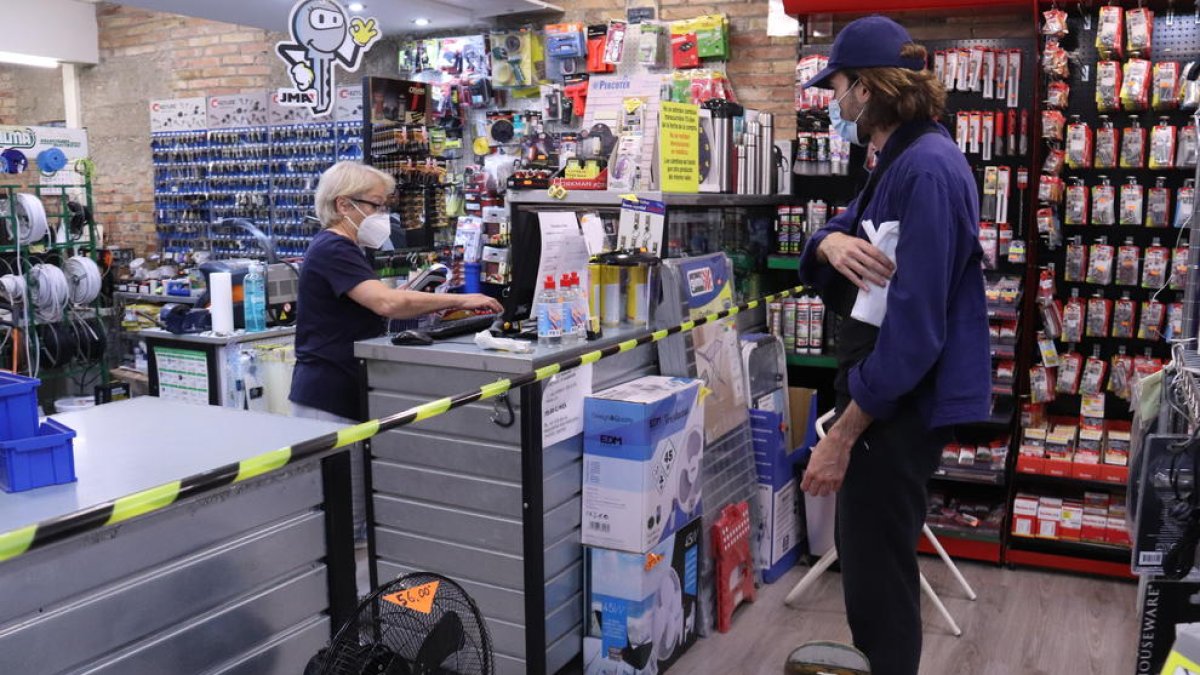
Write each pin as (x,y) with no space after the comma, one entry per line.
(679,147)
(237,110)
(562,405)
(348,107)
(179,114)
(564,249)
(182,375)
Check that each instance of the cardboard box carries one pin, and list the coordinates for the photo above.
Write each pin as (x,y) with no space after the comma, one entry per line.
(1049,515)
(1095,526)
(1087,450)
(1025,512)
(643,606)
(1116,532)
(1033,442)
(1071,525)
(1031,464)
(1086,471)
(1111,473)
(1116,450)
(643,442)
(1057,467)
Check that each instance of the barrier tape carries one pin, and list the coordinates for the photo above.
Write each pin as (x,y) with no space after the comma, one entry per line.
(20,541)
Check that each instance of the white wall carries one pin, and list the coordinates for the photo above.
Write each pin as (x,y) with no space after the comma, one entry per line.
(60,29)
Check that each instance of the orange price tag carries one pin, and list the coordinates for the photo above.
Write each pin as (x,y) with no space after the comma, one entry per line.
(418,598)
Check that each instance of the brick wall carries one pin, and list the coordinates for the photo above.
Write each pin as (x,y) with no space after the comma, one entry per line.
(8,98)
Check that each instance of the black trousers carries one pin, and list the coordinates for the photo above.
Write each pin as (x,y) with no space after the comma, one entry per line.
(881,510)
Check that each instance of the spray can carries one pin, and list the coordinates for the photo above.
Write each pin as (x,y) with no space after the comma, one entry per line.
(816,326)
(635,301)
(803,309)
(594,296)
(775,319)
(789,325)
(610,295)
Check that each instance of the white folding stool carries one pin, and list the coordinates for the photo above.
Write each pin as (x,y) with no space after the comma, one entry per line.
(831,556)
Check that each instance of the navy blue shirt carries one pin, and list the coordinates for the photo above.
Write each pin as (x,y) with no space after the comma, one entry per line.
(328,323)
(933,344)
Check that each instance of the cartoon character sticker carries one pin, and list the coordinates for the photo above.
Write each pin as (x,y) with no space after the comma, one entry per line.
(322,36)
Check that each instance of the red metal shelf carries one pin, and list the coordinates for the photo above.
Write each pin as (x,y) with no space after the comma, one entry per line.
(967,549)
(867,6)
(1118,569)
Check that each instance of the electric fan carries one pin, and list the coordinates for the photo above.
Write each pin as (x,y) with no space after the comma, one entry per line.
(419,624)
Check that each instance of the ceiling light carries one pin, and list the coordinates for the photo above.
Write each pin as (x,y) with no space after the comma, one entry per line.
(27,60)
(421,22)
(356,7)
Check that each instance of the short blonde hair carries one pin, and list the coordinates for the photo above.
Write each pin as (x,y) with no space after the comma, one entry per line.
(347,179)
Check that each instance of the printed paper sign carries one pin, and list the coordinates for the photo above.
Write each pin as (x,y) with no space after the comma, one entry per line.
(562,405)
(179,114)
(324,37)
(237,110)
(679,147)
(349,106)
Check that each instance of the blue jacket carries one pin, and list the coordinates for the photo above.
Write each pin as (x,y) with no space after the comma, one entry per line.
(933,342)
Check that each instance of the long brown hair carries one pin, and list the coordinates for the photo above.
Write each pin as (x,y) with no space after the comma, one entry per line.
(900,95)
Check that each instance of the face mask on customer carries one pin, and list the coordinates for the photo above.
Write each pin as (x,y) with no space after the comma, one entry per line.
(374,229)
(847,129)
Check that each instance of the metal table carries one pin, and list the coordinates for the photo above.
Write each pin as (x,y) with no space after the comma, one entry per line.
(234,581)
(474,495)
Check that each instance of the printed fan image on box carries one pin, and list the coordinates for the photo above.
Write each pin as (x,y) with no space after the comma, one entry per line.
(643,442)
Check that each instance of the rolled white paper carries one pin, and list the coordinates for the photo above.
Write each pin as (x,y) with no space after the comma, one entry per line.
(220,287)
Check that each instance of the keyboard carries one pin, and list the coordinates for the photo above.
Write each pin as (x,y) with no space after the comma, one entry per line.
(456,327)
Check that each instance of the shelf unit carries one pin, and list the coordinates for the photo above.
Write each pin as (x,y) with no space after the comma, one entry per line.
(783,262)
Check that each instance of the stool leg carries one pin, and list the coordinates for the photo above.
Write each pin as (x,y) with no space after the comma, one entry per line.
(812,576)
(937,546)
(937,602)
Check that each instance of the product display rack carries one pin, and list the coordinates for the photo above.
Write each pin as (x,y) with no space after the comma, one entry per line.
(202,177)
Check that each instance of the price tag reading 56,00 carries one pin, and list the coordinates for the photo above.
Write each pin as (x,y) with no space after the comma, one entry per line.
(418,598)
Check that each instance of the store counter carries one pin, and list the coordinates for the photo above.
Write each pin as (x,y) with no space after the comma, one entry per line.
(474,495)
(232,581)
(219,369)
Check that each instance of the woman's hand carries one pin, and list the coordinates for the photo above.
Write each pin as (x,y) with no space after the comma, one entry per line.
(857,260)
(477,301)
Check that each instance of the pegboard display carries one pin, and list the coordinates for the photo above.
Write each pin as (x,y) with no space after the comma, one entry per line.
(1109,237)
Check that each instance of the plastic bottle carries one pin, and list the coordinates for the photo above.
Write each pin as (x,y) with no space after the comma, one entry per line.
(566,297)
(255,295)
(550,315)
(579,310)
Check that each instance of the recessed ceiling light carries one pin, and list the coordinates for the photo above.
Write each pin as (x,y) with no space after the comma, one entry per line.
(356,7)
(421,22)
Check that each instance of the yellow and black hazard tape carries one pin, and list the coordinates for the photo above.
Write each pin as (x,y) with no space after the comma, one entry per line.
(20,541)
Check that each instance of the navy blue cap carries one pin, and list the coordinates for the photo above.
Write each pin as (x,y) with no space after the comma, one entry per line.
(870,42)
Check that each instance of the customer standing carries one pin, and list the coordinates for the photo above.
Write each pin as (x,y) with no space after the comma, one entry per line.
(902,267)
(341,300)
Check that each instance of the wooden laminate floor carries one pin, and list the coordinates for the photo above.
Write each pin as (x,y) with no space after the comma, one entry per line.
(1025,622)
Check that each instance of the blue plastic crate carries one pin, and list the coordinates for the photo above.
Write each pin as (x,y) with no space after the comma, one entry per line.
(18,406)
(45,459)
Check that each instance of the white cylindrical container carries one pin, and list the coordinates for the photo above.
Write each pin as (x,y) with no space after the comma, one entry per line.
(220,285)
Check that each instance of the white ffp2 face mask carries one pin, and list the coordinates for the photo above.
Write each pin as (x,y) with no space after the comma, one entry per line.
(374,229)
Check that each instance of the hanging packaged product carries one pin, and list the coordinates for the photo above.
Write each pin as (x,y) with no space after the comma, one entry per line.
(989,240)
(1121,378)
(1179,266)
(1054,23)
(1132,199)
(614,44)
(1079,144)
(1070,369)
(1139,31)
(1158,205)
(987,77)
(1058,95)
(1189,86)
(1158,262)
(1055,62)
(1128,261)
(1104,203)
(712,36)
(1050,189)
(683,51)
(652,45)
(1108,86)
(1153,315)
(1124,317)
(1013,94)
(1056,159)
(1099,314)
(1053,125)
(1165,90)
(962,73)
(1074,313)
(1049,227)
(1003,192)
(1162,145)
(1185,201)
(1051,309)
(1135,85)
(1092,382)
(1174,321)
(1006,237)
(975,70)
(1106,145)
(976,133)
(1000,74)
(1041,384)
(597,43)
(1110,35)
(1186,155)
(1023,149)
(1145,365)
(1100,262)
(516,57)
(987,136)
(1076,211)
(1075,267)
(1133,145)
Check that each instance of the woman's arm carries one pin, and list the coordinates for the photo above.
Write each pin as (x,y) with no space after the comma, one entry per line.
(393,303)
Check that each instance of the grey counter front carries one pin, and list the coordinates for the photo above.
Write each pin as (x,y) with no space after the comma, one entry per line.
(232,581)
(472,494)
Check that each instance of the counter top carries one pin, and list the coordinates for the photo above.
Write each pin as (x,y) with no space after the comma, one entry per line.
(128,446)
(210,338)
(607,198)
(461,352)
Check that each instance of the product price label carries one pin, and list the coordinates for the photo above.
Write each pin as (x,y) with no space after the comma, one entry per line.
(418,598)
